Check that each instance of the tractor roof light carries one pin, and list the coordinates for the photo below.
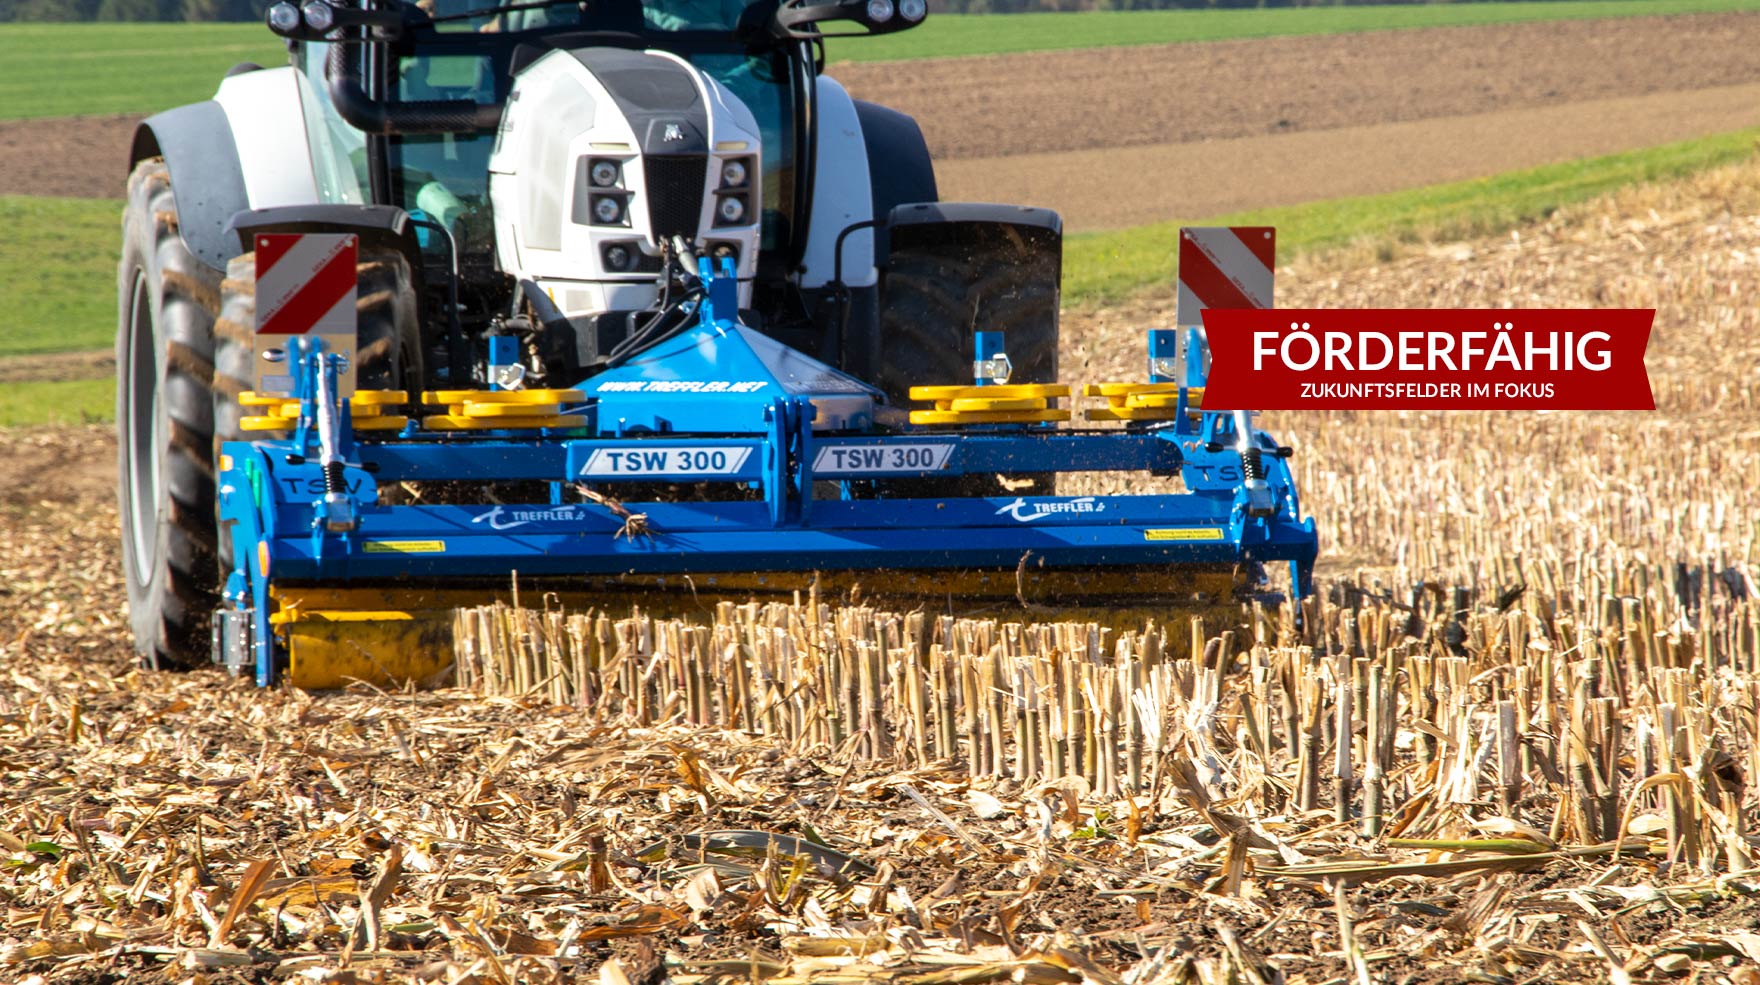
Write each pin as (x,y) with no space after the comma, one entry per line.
(880,11)
(283,18)
(320,16)
(913,10)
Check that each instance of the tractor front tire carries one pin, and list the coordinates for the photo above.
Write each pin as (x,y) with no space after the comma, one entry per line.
(167,300)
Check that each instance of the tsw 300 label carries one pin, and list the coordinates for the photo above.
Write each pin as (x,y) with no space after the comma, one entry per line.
(870,459)
(701,460)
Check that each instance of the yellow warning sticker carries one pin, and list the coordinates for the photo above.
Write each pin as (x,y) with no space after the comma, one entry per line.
(1183,533)
(404,547)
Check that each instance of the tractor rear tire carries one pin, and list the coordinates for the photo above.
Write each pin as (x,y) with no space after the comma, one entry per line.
(167,300)
(933,302)
(930,305)
(388,350)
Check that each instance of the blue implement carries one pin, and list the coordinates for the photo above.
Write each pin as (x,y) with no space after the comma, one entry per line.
(789,474)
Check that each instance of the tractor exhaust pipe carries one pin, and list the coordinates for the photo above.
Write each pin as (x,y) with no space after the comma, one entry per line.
(380,116)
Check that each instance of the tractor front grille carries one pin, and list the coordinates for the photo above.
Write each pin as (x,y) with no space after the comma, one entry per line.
(675,193)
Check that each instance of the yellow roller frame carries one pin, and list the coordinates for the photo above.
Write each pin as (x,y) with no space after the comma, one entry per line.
(504,410)
(1017,403)
(1040,391)
(387,422)
(281,413)
(361,398)
(328,647)
(988,417)
(454,422)
(985,404)
(1141,401)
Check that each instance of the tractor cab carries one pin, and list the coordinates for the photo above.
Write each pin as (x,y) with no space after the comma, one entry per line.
(491,127)
(471,52)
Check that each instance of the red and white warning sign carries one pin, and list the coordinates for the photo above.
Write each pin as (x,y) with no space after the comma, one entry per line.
(306,285)
(1224,267)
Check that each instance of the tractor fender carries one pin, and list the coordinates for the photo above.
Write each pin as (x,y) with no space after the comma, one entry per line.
(842,193)
(206,178)
(899,166)
(245,148)
(267,116)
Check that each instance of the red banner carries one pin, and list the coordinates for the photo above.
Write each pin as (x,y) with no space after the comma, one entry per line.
(1421,359)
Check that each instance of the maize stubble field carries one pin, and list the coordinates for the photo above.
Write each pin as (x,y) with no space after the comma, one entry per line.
(1545,777)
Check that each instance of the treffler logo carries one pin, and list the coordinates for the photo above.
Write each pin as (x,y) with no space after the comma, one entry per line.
(1081,504)
(501,518)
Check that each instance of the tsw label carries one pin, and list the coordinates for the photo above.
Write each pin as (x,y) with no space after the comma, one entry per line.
(698,460)
(881,459)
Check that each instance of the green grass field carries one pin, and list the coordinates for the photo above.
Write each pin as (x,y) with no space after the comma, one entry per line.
(60,260)
(93,69)
(64,402)
(68,69)
(57,274)
(947,36)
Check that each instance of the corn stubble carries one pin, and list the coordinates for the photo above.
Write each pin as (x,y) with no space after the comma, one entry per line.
(1514,739)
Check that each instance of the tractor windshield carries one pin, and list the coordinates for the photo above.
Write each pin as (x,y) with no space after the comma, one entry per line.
(445,176)
(654,15)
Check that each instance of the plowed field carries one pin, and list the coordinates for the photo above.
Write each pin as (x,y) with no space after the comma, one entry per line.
(1124,136)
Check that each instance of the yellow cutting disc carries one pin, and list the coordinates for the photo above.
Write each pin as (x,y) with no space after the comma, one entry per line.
(452,422)
(1114,413)
(503,397)
(1126,389)
(361,398)
(1168,400)
(378,398)
(474,409)
(969,404)
(1004,391)
(988,417)
(388,422)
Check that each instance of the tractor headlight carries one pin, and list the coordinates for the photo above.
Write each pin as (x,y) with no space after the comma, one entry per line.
(733,174)
(730,210)
(607,210)
(880,10)
(603,173)
(320,16)
(619,258)
(913,10)
(284,18)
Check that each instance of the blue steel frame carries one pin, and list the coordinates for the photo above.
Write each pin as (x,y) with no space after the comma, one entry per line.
(272,494)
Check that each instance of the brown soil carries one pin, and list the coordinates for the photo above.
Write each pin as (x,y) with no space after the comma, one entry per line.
(75,156)
(1122,97)
(1128,186)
